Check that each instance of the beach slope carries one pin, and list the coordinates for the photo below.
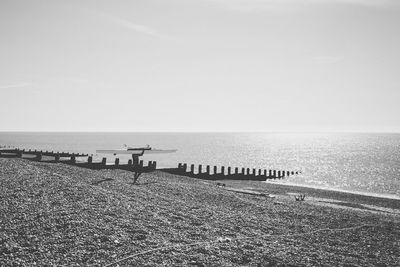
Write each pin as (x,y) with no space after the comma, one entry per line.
(56,214)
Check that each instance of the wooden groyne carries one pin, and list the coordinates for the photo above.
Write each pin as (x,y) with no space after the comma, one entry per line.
(200,171)
(229,173)
(16,152)
(70,158)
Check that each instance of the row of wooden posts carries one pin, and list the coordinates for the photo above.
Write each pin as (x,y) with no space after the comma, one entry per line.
(232,174)
(71,159)
(18,152)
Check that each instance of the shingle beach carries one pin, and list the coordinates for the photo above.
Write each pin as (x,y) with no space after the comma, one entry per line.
(61,215)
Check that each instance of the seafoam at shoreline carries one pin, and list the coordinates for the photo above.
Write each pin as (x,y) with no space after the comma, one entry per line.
(354,192)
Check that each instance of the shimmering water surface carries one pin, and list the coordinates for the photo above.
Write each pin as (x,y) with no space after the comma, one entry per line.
(351,161)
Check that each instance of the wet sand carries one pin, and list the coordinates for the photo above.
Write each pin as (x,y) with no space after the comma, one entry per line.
(55,214)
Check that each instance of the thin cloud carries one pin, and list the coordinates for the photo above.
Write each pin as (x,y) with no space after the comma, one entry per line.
(138,28)
(15,85)
(257,5)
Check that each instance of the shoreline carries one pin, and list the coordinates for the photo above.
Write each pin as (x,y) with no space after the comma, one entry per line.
(339,198)
(354,192)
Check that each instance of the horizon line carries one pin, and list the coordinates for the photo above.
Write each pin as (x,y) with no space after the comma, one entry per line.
(291,132)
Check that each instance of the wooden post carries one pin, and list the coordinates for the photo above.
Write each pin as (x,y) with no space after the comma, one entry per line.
(292,172)
(141,163)
(279,174)
(243,172)
(184,167)
(57,158)
(254,172)
(265,173)
(104,161)
(154,165)
(274,174)
(208,170)
(73,159)
(116,161)
(283,174)
(236,170)
(149,164)
(229,171)
(192,168)
(259,172)
(288,173)
(129,162)
(179,165)
(248,171)
(215,170)
(200,168)
(39,156)
(223,170)
(270,173)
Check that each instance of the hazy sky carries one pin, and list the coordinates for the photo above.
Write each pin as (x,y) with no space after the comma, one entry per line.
(200,65)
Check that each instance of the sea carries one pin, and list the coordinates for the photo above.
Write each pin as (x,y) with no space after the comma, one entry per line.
(366,163)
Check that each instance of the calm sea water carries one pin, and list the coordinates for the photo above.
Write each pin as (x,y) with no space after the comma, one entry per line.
(356,162)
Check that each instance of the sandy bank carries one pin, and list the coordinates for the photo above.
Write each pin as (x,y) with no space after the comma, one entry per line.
(68,216)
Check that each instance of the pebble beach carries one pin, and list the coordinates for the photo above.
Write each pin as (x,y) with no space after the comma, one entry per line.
(61,215)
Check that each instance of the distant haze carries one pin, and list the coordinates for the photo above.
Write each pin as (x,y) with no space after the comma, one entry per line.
(200,65)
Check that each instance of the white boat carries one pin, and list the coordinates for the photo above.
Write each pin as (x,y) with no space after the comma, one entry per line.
(135,151)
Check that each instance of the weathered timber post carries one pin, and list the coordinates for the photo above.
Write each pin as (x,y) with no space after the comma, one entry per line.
(259,172)
(73,159)
(270,173)
(265,173)
(279,174)
(200,168)
(184,168)
(154,165)
(192,168)
(89,159)
(116,161)
(274,174)
(223,170)
(248,171)
(208,170)
(215,170)
(292,172)
(254,172)
(57,158)
(229,171)
(243,171)
(141,164)
(104,161)
(283,174)
(288,173)
(149,164)
(236,170)
(180,166)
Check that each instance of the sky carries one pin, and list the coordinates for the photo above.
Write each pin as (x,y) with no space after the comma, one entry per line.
(200,65)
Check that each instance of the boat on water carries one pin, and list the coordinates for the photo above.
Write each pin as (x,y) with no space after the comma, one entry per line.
(135,150)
